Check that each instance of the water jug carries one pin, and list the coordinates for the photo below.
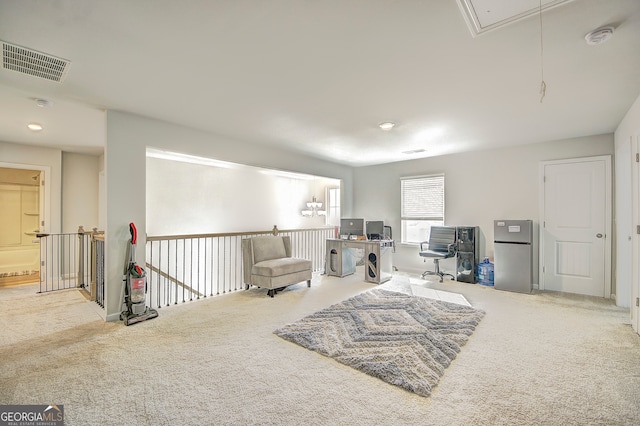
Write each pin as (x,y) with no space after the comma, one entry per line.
(485,272)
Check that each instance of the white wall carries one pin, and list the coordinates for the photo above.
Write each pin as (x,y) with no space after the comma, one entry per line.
(128,136)
(479,188)
(79,191)
(184,198)
(626,136)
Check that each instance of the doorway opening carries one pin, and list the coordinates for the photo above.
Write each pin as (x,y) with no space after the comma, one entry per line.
(20,222)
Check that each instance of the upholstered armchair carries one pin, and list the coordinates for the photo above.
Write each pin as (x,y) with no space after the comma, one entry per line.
(267,263)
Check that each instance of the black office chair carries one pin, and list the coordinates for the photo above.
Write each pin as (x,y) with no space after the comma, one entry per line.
(441,245)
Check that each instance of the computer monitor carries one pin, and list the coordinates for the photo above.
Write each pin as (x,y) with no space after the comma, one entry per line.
(375,229)
(351,227)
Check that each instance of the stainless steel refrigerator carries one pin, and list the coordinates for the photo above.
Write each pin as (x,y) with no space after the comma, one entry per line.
(513,255)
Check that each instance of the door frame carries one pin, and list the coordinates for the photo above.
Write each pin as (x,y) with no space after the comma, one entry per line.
(608,217)
(635,220)
(45,190)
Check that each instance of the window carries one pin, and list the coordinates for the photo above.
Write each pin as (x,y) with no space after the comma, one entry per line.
(333,206)
(422,206)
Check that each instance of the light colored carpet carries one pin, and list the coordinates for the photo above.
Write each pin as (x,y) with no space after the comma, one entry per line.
(541,359)
(405,340)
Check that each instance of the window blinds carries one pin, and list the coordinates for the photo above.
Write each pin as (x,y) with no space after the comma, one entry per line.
(423,198)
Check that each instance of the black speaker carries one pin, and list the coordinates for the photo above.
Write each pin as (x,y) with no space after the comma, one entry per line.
(372,266)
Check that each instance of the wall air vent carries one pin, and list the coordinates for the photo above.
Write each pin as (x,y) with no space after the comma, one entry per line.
(33,63)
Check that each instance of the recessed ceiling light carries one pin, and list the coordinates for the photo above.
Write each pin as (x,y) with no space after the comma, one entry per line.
(387,125)
(599,36)
(34,127)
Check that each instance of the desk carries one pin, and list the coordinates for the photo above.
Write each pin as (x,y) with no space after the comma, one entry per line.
(378,259)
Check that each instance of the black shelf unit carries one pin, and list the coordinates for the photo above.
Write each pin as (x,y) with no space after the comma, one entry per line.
(467,258)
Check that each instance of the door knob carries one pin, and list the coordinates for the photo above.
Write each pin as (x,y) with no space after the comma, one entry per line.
(599,235)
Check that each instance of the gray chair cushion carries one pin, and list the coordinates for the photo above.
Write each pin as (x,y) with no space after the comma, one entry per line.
(267,248)
(283,266)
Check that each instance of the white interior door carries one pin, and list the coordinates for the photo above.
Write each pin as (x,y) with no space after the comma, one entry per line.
(576,226)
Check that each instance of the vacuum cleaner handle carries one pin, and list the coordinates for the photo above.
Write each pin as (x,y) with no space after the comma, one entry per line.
(134,233)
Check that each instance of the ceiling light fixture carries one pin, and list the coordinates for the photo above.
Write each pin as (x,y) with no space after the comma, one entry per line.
(599,36)
(35,127)
(387,125)
(314,207)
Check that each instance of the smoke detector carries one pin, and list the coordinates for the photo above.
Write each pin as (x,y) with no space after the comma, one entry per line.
(43,103)
(599,36)
(33,63)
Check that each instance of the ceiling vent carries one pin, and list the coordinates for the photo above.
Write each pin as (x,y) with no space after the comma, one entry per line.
(33,63)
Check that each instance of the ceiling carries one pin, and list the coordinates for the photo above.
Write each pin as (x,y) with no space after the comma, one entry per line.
(317,77)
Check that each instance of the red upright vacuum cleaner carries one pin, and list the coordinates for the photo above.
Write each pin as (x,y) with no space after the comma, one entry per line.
(134,286)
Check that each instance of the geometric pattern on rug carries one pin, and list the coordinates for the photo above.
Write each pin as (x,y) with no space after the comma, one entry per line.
(405,340)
